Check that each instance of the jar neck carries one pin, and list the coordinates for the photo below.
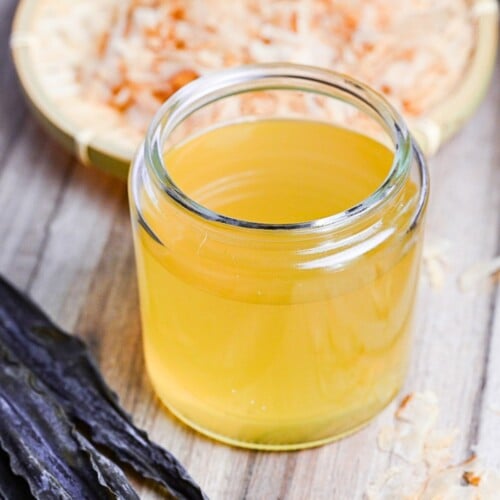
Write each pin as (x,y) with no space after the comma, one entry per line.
(218,86)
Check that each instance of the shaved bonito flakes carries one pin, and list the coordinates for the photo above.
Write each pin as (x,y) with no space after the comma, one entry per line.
(435,259)
(129,56)
(478,273)
(425,470)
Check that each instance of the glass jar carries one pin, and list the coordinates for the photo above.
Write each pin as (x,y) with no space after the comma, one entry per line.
(276,334)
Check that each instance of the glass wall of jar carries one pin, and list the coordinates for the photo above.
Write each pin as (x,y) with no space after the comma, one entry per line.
(277,218)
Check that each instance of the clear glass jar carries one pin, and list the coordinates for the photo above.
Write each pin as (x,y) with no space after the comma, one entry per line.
(276,335)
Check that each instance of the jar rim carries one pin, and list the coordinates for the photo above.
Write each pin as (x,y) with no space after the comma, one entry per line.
(285,76)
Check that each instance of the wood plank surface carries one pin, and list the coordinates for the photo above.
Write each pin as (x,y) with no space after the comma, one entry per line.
(65,238)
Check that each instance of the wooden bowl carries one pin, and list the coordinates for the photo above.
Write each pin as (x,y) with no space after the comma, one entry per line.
(106,152)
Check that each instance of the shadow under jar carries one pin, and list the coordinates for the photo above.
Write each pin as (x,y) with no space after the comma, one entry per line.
(277,217)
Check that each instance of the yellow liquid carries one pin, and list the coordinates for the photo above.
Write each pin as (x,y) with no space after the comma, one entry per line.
(249,338)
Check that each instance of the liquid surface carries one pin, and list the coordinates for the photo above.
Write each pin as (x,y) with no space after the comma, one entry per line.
(279,171)
(266,344)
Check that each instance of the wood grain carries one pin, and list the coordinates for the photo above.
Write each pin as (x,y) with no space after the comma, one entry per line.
(66,239)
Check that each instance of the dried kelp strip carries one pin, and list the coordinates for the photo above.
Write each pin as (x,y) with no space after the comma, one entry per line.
(65,365)
(12,487)
(41,444)
(107,472)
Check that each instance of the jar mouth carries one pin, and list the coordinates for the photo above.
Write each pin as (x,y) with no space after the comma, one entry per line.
(285,76)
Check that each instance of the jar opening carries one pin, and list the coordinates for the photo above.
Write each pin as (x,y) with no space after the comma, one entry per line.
(209,101)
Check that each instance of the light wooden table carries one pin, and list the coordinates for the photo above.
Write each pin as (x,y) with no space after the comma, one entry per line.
(65,238)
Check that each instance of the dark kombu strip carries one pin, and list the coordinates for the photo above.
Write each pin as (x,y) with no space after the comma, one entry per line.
(43,445)
(63,363)
(12,487)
